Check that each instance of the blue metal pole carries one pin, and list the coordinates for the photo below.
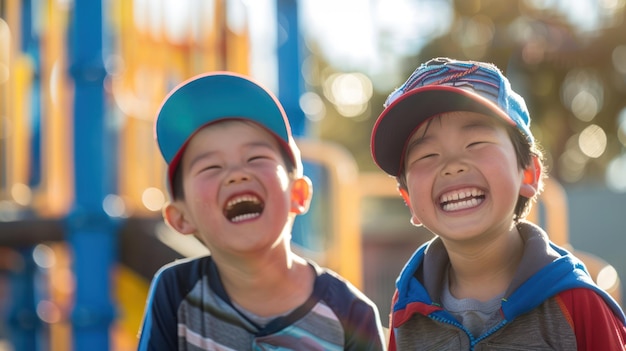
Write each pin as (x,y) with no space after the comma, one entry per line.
(290,57)
(308,230)
(30,45)
(91,231)
(23,323)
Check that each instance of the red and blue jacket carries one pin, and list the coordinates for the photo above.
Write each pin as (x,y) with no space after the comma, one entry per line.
(551,304)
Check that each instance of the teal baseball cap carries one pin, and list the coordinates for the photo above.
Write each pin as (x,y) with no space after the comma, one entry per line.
(438,86)
(212,97)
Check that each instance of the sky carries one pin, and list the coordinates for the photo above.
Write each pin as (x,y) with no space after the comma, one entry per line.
(346,31)
(369,36)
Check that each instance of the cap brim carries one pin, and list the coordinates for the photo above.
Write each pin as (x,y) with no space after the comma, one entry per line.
(399,120)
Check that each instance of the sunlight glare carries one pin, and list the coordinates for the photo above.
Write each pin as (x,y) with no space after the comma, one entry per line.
(177,20)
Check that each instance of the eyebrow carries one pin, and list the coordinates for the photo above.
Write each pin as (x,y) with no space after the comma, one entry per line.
(469,126)
(416,143)
(200,157)
(478,125)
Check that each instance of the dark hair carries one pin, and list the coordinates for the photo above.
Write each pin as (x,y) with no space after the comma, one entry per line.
(178,193)
(525,150)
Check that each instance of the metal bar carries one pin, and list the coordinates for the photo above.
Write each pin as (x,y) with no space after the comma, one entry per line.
(290,80)
(91,231)
(23,324)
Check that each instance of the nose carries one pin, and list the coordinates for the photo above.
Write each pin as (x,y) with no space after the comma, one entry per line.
(454,167)
(237,176)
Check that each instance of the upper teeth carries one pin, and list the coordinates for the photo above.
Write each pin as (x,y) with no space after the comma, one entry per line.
(461,194)
(247,198)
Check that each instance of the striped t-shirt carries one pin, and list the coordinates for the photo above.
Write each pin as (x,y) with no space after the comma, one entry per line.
(188,309)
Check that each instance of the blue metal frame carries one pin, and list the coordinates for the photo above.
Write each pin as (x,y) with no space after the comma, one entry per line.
(26,330)
(309,230)
(92,233)
(29,44)
(290,57)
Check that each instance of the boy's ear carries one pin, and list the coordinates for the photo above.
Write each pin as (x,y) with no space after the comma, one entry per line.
(301,193)
(407,200)
(176,217)
(532,178)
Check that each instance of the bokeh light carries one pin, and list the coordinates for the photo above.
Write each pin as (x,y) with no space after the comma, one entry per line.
(44,256)
(584,106)
(349,92)
(592,141)
(177,22)
(21,194)
(621,127)
(607,278)
(114,206)
(616,174)
(475,35)
(583,94)
(572,165)
(48,312)
(312,106)
(618,57)
(153,199)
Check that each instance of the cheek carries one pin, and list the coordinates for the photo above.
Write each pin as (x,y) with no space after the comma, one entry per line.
(506,172)
(199,190)
(283,177)
(420,186)
(420,177)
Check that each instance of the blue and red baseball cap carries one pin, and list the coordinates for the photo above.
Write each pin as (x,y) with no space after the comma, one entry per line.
(212,97)
(438,86)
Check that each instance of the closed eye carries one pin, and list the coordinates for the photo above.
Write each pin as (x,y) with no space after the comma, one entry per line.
(258,158)
(420,154)
(477,143)
(421,158)
(426,156)
(210,167)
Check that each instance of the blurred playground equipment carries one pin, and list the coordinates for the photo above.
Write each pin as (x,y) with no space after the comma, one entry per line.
(82,183)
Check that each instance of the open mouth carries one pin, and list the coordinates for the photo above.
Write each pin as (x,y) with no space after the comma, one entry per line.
(243,207)
(461,199)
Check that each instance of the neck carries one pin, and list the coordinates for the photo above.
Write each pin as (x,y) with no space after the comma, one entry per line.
(268,285)
(485,271)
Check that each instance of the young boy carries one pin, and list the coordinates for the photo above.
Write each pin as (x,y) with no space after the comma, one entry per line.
(457,140)
(235,181)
